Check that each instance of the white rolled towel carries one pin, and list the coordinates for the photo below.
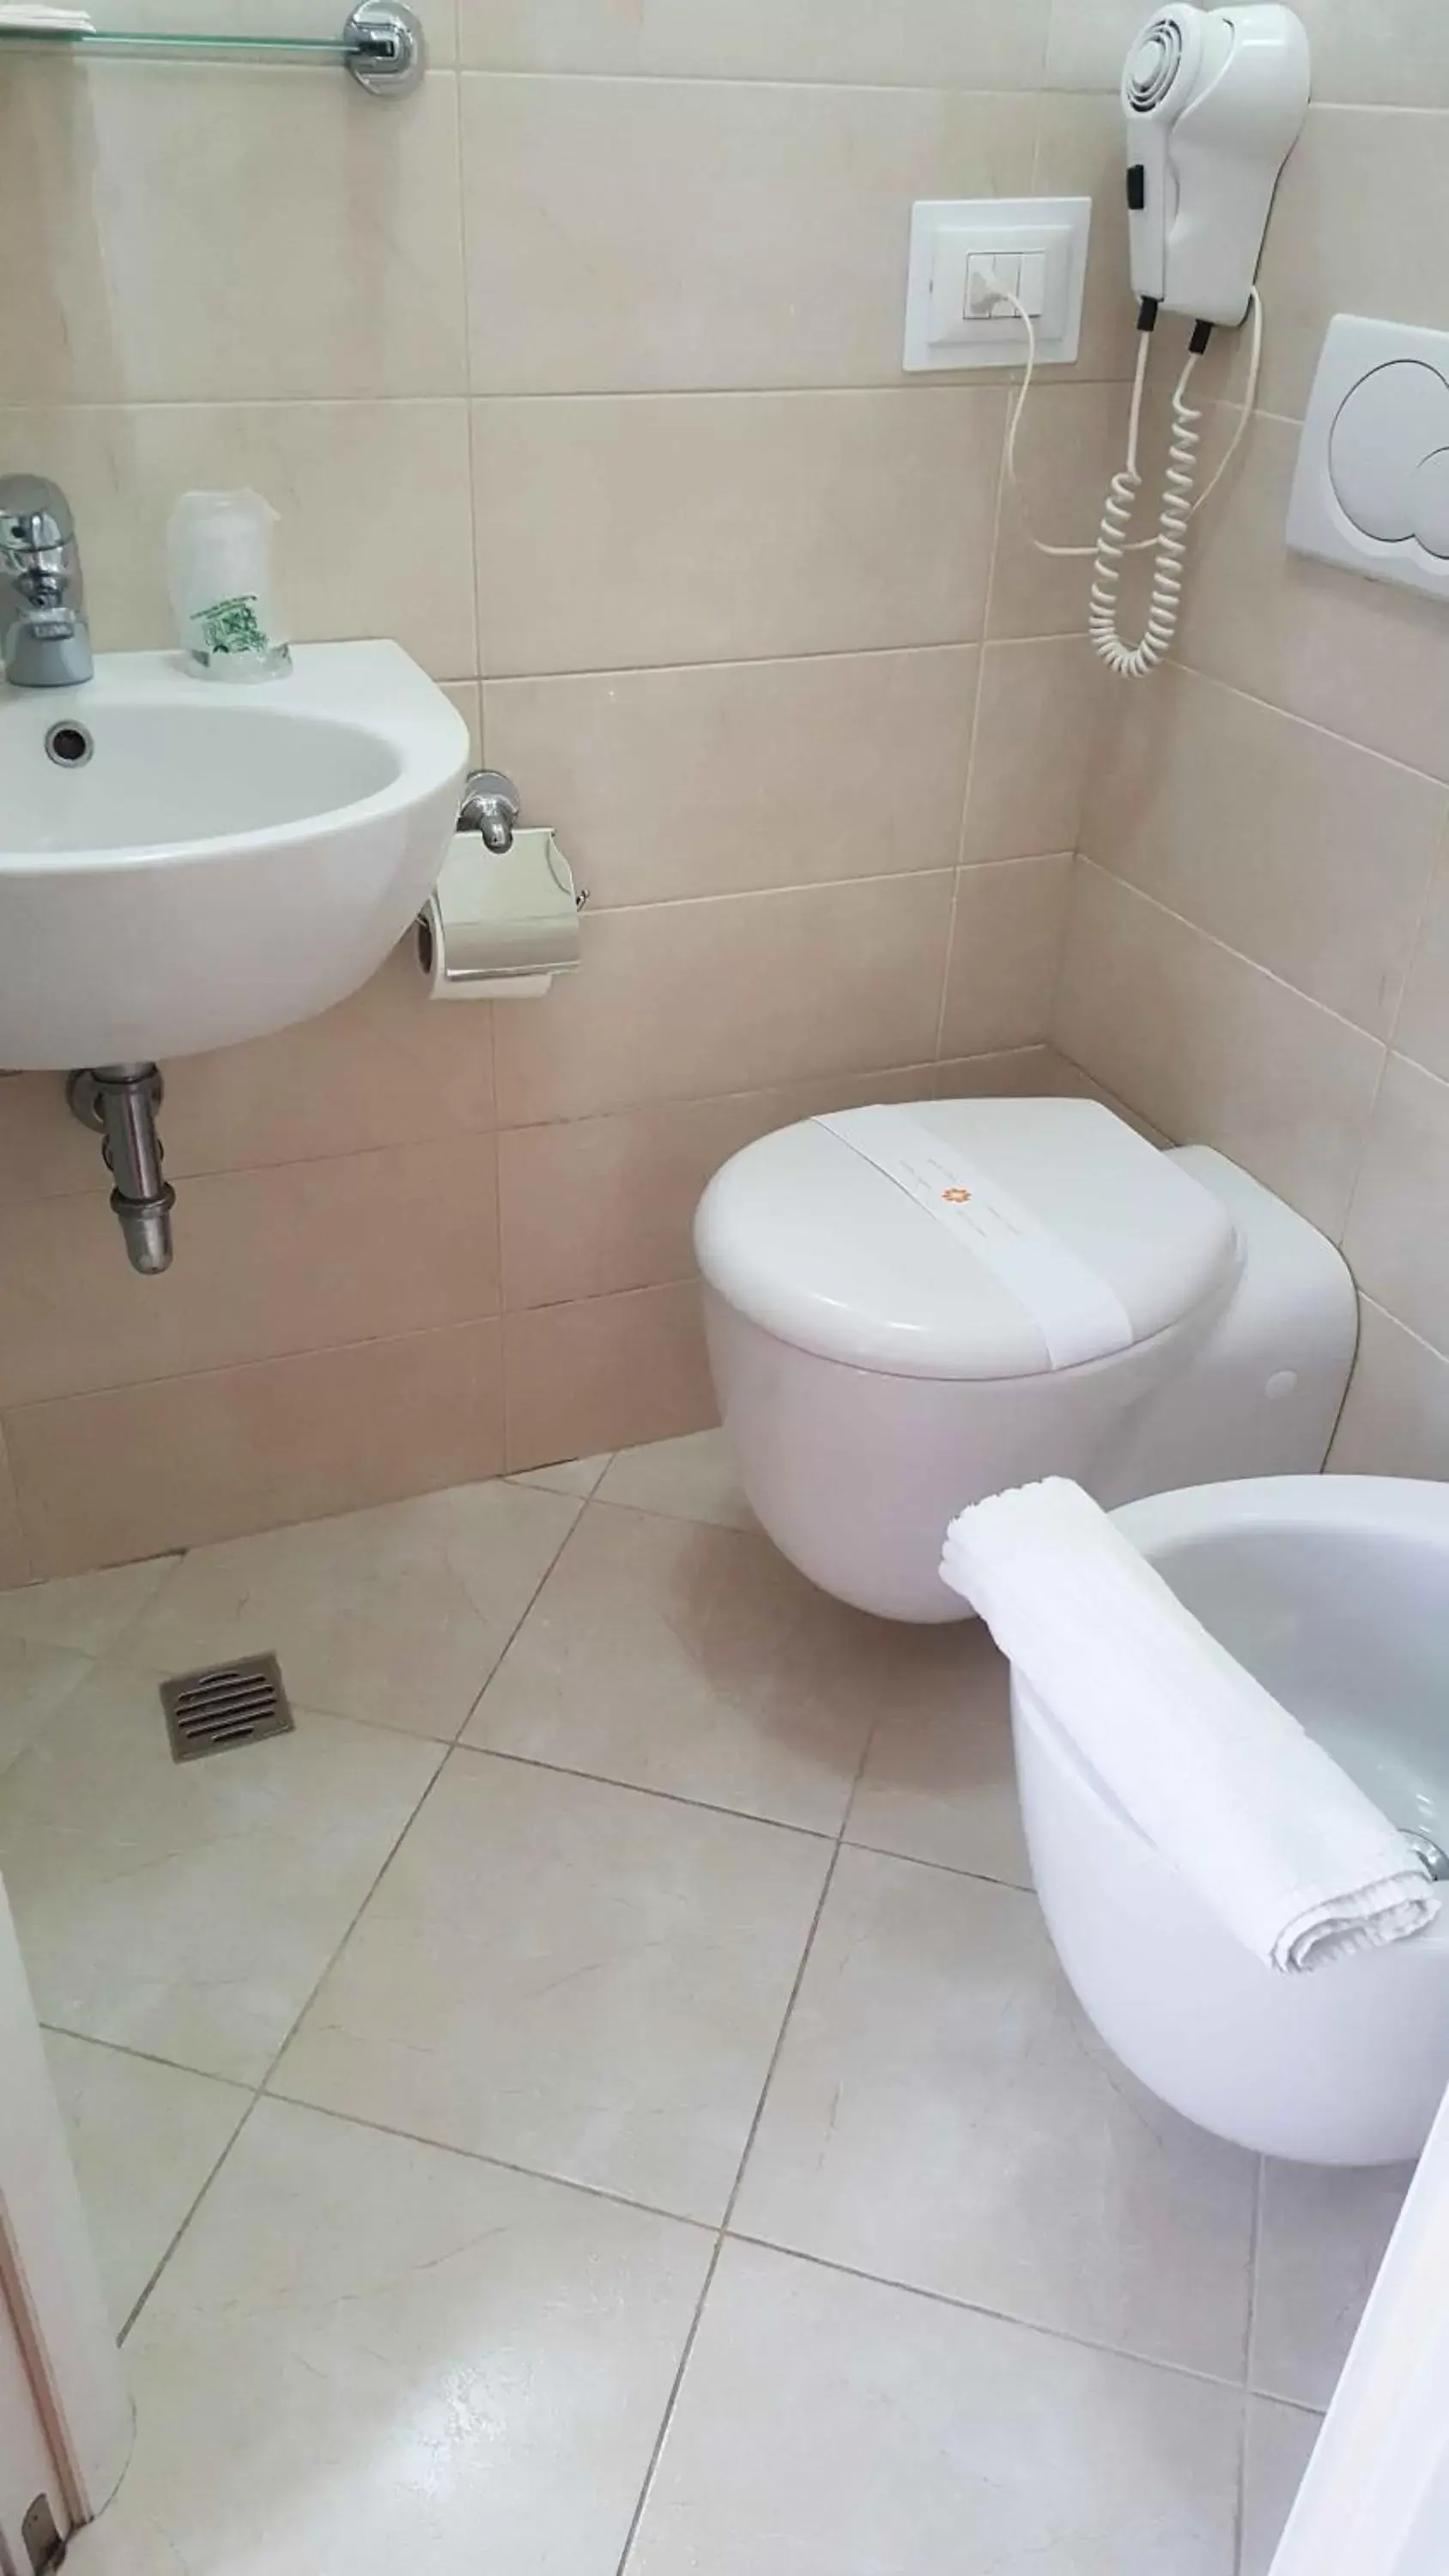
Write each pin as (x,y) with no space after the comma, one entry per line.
(1288,1851)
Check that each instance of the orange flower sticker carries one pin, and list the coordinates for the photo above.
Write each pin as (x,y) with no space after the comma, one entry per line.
(957,1198)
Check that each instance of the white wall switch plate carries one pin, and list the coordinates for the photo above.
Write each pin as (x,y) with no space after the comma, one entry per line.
(1371,487)
(1042,240)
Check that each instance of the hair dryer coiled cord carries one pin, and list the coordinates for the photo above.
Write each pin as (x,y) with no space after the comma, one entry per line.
(1179,501)
(1169,547)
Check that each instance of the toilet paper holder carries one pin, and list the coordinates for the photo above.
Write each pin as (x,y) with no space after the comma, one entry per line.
(502,920)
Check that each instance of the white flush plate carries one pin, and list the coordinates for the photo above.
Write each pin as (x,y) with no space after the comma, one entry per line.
(948,234)
(1371,488)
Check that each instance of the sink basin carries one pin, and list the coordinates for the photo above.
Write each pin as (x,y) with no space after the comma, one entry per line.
(223,860)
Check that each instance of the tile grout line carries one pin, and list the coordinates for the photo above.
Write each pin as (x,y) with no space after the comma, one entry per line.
(676,2389)
(686,2355)
(146,2056)
(1005,2317)
(972,734)
(150,2284)
(259,2091)
(1254,2243)
(494,2163)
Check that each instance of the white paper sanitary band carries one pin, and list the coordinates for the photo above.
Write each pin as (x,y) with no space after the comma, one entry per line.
(1078,1313)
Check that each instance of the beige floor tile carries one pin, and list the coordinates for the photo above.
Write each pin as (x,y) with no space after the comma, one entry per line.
(88,1612)
(940,2116)
(829,2424)
(35,1680)
(568,1976)
(188,1909)
(692,1479)
(571,1476)
(368,2354)
(1279,2445)
(1323,2235)
(939,1782)
(397,1615)
(695,1660)
(143,2139)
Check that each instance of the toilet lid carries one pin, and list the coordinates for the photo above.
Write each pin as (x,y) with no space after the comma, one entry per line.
(1090,1240)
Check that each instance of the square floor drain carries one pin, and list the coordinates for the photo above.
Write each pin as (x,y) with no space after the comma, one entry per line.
(224,1706)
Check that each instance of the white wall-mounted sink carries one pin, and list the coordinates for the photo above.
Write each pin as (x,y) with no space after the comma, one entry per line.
(226,859)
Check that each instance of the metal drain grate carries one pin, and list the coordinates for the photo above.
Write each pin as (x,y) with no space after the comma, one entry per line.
(225,1705)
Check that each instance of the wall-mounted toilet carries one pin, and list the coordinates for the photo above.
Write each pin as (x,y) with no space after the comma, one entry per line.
(909,1308)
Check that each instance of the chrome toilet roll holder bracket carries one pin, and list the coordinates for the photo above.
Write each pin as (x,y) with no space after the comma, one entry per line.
(491,806)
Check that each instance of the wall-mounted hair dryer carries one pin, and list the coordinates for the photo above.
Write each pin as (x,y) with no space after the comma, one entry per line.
(1214,102)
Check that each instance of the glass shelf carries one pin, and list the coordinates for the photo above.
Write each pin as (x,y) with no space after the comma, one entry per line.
(381,45)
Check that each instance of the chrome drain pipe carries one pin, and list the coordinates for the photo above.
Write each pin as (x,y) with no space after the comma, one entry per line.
(119,1103)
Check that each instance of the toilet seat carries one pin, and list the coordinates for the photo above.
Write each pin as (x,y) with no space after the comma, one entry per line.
(809,1239)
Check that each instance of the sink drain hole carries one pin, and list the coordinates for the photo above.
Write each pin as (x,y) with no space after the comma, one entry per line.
(69,746)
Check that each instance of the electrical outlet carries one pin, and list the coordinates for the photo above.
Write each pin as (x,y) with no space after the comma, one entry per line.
(1037,246)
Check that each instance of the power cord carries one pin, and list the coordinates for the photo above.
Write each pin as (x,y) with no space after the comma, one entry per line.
(1169,545)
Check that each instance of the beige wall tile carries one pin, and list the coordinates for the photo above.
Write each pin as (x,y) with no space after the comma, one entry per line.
(716,527)
(300,1256)
(15,1565)
(210,282)
(1040,708)
(1396,55)
(467,697)
(387,1067)
(323,470)
(44,1152)
(1304,852)
(1055,1077)
(969,44)
(580,196)
(1396,1419)
(1422,1028)
(735,775)
(1072,439)
(106,1478)
(606,1372)
(1213,1049)
(1079,154)
(384,1068)
(1367,661)
(1006,945)
(1087,42)
(1018,1073)
(1360,212)
(1398,1259)
(693,1000)
(592,1205)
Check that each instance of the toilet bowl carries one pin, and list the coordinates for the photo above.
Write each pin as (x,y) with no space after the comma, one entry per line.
(910,1308)
(1334,1592)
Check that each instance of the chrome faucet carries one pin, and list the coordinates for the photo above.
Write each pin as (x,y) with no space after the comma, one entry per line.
(46,636)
